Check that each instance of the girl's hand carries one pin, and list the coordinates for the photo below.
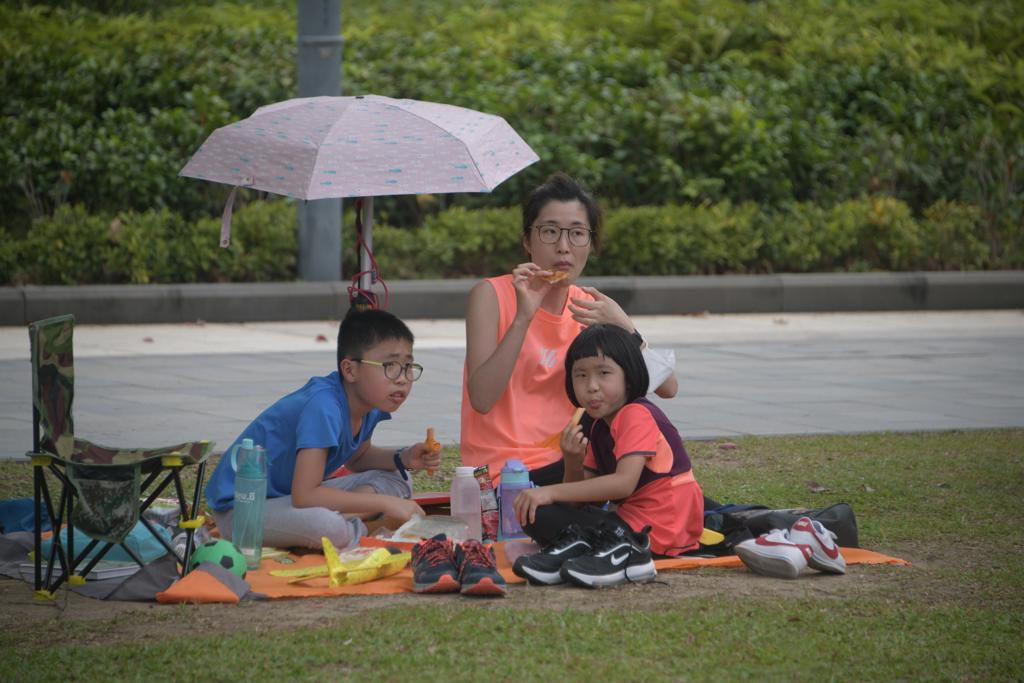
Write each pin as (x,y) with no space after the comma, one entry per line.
(573,443)
(419,457)
(530,285)
(603,309)
(528,500)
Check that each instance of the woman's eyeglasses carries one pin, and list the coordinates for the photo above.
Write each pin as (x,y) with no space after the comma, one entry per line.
(393,369)
(550,234)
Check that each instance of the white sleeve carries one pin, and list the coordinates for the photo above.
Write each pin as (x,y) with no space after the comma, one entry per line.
(661,363)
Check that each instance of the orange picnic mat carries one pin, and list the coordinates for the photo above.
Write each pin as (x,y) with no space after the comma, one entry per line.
(278,587)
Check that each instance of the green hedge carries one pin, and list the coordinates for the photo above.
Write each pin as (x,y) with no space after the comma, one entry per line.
(650,101)
(75,247)
(869,233)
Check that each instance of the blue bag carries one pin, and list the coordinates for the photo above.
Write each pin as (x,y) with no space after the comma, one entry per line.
(139,539)
(18,514)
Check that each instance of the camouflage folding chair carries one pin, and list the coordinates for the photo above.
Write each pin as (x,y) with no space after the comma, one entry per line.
(103,491)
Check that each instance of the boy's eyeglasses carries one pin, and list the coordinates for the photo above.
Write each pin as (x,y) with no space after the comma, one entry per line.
(393,369)
(550,234)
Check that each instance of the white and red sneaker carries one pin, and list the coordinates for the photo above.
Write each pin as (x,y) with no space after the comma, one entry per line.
(825,555)
(774,554)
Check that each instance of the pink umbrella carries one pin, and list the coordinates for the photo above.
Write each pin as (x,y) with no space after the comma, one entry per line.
(363,146)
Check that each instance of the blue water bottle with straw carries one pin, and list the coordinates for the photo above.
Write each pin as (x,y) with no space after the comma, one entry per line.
(250,464)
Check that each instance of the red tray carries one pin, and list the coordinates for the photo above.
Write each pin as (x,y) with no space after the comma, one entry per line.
(432,498)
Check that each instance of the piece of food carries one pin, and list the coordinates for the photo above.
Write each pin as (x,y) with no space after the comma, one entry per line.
(557,276)
(430,442)
(577,416)
(432,445)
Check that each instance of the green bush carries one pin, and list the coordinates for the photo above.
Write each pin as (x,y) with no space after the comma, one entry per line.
(954,237)
(679,240)
(651,102)
(75,247)
(870,233)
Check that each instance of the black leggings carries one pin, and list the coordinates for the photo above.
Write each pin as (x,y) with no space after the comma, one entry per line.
(555,472)
(552,519)
(549,474)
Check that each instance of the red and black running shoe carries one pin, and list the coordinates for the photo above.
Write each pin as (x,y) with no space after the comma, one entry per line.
(433,566)
(478,570)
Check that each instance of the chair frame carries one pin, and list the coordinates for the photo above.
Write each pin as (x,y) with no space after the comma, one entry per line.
(159,472)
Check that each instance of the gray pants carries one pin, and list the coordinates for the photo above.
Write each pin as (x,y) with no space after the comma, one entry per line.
(286,526)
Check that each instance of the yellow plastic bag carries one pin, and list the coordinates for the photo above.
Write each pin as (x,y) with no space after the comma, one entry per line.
(358,565)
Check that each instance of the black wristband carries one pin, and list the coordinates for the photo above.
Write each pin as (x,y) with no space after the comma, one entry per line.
(399,465)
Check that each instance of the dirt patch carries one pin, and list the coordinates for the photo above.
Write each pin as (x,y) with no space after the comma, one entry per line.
(25,621)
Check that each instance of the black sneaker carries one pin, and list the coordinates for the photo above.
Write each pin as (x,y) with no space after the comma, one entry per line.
(620,555)
(478,571)
(543,568)
(433,566)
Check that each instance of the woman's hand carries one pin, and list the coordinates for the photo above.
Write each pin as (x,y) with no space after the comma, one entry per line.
(603,309)
(530,285)
(419,457)
(528,500)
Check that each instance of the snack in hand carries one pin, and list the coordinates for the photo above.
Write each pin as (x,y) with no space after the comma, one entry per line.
(557,276)
(577,416)
(432,445)
(430,442)
(553,440)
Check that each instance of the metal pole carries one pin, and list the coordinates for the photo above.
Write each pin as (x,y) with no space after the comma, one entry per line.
(367,279)
(319,55)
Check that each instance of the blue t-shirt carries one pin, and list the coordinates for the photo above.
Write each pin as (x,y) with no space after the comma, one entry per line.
(315,416)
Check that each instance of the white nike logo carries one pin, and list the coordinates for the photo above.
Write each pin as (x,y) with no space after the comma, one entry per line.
(559,551)
(619,559)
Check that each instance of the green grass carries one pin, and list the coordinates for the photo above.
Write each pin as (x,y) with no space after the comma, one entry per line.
(699,639)
(950,501)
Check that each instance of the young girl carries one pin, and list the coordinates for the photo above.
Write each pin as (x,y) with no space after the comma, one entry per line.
(631,455)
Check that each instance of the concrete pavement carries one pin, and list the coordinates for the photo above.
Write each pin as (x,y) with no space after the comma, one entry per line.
(155,384)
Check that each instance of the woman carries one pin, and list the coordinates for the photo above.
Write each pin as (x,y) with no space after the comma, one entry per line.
(518,328)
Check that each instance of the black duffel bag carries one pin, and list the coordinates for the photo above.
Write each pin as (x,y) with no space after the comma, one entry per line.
(741,522)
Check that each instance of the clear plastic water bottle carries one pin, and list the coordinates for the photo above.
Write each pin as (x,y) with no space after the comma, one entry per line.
(465,498)
(250,465)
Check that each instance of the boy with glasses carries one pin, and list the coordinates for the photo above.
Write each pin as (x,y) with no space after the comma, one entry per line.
(328,423)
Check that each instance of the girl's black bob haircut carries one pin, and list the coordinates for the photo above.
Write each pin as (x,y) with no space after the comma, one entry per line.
(613,342)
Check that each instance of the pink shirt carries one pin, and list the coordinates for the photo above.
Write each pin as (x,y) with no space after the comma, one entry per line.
(534,405)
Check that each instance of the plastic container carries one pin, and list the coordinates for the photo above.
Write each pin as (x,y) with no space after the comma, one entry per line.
(465,501)
(250,465)
(514,478)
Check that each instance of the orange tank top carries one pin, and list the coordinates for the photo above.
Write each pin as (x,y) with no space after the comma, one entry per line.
(534,405)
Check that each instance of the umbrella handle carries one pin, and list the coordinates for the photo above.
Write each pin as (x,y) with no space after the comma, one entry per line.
(225,218)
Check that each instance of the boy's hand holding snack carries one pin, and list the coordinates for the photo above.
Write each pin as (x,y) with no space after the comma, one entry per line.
(434,446)
(422,456)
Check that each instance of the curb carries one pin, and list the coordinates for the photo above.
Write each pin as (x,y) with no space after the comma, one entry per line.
(660,295)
